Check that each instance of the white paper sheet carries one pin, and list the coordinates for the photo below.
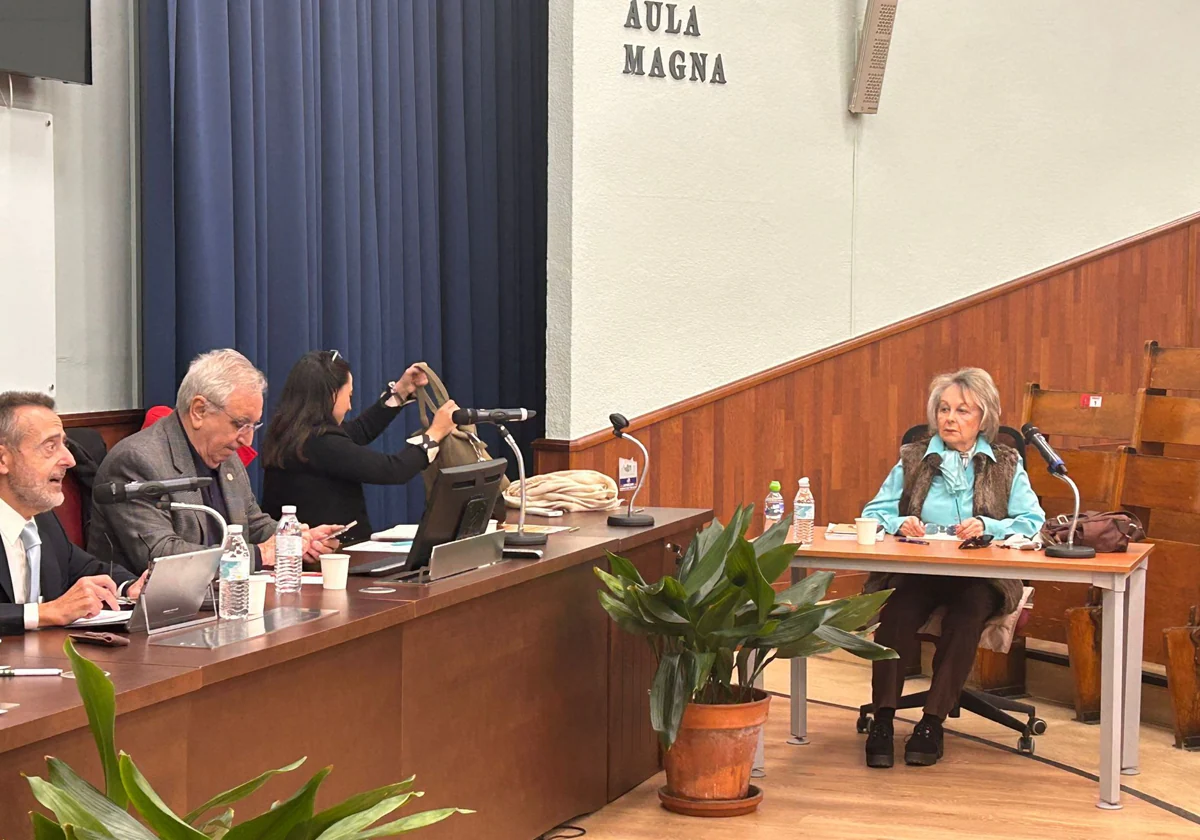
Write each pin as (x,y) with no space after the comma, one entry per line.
(103,618)
(396,547)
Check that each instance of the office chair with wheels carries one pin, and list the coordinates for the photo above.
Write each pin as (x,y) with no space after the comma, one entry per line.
(985,704)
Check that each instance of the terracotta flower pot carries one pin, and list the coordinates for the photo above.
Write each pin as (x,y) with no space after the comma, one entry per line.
(714,752)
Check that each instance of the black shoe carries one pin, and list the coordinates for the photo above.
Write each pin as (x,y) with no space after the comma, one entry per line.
(925,746)
(881,751)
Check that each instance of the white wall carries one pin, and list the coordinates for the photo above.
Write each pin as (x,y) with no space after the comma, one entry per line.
(700,233)
(93,198)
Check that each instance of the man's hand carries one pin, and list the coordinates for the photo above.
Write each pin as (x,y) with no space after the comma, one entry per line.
(266,550)
(134,591)
(969,528)
(318,541)
(85,599)
(912,527)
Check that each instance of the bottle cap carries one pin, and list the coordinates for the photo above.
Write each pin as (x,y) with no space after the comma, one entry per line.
(775,486)
(804,482)
(289,509)
(235,529)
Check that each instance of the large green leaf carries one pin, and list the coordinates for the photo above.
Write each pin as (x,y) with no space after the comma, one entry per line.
(411,823)
(347,827)
(669,697)
(45,828)
(277,823)
(626,618)
(100,703)
(808,591)
(801,623)
(853,643)
(741,568)
(63,805)
(615,585)
(656,608)
(76,832)
(624,569)
(690,556)
(219,826)
(718,615)
(702,543)
(775,562)
(115,819)
(711,565)
(153,810)
(773,538)
(237,794)
(856,612)
(355,804)
(699,666)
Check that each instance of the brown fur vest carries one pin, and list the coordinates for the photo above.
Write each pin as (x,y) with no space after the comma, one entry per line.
(993,480)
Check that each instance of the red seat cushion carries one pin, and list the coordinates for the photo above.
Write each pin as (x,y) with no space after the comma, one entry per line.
(70,512)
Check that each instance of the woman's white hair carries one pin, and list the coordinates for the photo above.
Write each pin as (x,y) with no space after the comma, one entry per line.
(977,385)
(217,374)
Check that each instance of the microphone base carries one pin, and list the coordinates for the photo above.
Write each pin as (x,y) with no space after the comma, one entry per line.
(514,539)
(1070,552)
(631,520)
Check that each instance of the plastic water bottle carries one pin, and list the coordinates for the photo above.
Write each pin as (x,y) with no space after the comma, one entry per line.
(289,552)
(235,576)
(773,507)
(803,511)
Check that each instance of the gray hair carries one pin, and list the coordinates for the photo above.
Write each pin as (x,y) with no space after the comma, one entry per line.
(974,382)
(217,374)
(10,401)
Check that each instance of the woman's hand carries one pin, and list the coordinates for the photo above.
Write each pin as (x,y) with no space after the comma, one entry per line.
(443,422)
(969,528)
(408,384)
(912,527)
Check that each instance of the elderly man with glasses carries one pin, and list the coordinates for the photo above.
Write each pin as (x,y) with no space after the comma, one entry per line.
(217,410)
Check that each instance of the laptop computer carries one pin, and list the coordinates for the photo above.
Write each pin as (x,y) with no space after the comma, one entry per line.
(172,597)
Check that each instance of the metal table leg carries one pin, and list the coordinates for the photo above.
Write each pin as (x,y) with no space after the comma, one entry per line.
(799,701)
(1135,617)
(1112,690)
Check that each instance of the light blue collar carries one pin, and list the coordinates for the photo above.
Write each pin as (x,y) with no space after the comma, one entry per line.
(936,444)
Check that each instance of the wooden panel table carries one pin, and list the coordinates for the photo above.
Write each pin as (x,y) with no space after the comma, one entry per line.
(495,687)
(1121,577)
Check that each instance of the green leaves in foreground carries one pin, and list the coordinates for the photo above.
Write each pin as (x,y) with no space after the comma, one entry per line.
(84,813)
(722,616)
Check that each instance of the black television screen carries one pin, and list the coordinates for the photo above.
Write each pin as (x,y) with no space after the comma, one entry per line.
(50,39)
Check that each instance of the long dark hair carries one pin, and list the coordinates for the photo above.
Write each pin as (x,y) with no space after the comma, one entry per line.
(305,405)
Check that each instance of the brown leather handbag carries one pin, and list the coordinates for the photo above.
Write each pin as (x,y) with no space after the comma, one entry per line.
(1108,533)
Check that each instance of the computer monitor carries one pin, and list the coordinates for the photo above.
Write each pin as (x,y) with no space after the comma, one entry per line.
(459,506)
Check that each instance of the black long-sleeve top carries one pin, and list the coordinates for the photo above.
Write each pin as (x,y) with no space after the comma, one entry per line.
(327,488)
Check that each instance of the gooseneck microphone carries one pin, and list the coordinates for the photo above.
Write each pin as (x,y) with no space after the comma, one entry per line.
(1058,469)
(1034,438)
(629,519)
(473,416)
(113,492)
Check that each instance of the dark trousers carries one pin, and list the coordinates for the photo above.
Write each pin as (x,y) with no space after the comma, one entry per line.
(969,603)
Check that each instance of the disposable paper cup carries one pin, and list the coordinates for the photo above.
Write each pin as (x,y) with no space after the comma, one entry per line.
(334,569)
(865,529)
(258,593)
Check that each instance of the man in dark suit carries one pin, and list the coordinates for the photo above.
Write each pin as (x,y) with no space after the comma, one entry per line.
(45,581)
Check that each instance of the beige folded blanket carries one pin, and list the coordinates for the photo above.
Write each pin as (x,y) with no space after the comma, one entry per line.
(568,490)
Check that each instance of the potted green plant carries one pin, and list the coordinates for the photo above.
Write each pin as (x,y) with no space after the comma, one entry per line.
(81,811)
(713,629)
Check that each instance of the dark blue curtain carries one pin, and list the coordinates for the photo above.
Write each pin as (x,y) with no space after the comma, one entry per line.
(365,175)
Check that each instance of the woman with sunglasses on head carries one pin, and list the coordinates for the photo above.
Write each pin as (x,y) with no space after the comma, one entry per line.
(958,481)
(316,462)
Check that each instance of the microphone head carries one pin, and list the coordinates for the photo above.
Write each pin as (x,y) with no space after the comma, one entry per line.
(530,413)
(104,494)
(1029,430)
(619,423)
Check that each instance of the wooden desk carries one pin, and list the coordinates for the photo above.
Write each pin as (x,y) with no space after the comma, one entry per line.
(506,690)
(1121,577)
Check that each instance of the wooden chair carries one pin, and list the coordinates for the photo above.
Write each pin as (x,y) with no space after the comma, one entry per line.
(1085,419)
(1171,368)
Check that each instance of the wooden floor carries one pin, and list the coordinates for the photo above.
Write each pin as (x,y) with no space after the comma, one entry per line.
(978,790)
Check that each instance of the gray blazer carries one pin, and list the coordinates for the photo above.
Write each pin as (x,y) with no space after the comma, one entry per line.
(130,533)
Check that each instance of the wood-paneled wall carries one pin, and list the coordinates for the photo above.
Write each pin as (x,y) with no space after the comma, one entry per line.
(836,416)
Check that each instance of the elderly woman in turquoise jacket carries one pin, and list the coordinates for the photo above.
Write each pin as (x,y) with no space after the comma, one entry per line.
(958,482)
